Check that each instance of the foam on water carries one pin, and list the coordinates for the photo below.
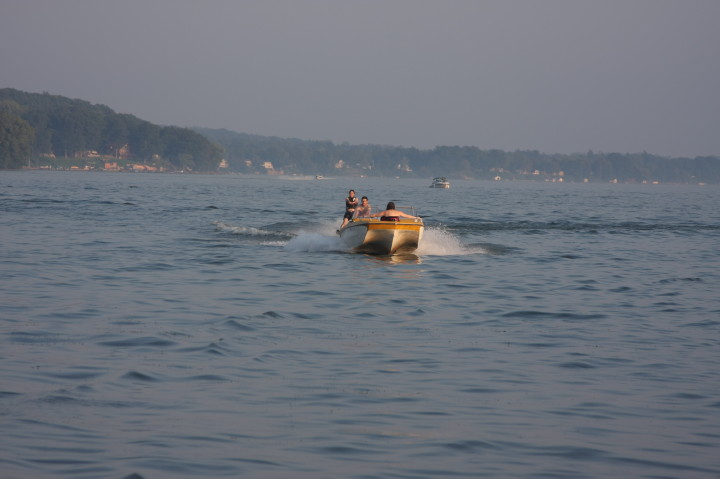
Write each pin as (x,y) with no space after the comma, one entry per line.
(243,230)
(316,238)
(437,241)
(306,242)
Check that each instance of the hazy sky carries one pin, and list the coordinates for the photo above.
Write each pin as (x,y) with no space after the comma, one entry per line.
(559,76)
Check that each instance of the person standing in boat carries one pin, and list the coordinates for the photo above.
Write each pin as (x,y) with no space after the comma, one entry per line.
(363,211)
(351,203)
(391,214)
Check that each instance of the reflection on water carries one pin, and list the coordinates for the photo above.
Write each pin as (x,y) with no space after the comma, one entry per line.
(402,258)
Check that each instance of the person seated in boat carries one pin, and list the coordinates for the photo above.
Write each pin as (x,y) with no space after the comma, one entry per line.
(363,211)
(351,203)
(391,214)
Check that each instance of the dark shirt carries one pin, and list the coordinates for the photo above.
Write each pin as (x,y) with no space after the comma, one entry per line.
(350,203)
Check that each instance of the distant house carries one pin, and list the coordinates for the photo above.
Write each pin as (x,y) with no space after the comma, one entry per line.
(137,167)
(270,170)
(87,154)
(124,152)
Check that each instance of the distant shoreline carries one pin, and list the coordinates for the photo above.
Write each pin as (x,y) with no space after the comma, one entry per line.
(314,177)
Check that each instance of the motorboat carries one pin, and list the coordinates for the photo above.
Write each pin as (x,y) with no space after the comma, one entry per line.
(382,236)
(440,182)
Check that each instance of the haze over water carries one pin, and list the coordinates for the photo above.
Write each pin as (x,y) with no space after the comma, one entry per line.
(165,326)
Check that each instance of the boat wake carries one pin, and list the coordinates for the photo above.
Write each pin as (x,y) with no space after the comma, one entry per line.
(314,243)
(318,238)
(437,241)
(273,237)
(242,230)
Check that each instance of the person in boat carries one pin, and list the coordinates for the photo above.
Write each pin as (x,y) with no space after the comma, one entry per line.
(391,214)
(363,211)
(351,203)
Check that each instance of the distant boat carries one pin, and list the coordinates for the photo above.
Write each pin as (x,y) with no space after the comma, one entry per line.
(319,177)
(440,182)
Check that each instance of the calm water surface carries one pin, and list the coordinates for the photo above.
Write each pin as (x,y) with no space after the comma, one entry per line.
(164,326)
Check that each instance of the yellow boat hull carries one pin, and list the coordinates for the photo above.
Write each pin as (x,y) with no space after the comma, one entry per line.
(372,236)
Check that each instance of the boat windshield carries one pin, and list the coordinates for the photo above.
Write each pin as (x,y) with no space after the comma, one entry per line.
(407,209)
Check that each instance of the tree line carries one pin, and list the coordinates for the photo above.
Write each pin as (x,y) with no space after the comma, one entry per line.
(34,125)
(247,153)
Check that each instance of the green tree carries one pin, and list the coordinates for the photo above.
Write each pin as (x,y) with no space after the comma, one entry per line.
(16,139)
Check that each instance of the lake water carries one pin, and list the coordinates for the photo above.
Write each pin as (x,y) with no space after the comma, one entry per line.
(165,326)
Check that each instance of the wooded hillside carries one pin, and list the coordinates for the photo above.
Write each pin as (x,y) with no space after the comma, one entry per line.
(66,128)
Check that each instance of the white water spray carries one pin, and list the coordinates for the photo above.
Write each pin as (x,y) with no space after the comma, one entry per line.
(441,242)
